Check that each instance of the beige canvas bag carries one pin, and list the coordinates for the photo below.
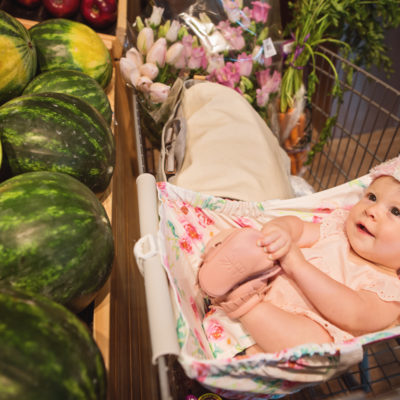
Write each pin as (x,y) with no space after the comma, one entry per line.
(216,143)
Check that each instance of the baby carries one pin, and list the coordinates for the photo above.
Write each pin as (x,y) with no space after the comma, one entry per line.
(299,282)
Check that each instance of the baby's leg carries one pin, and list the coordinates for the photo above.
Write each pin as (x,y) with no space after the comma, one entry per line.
(274,329)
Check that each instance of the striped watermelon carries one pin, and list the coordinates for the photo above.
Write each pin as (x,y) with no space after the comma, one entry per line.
(75,83)
(46,352)
(17,57)
(58,132)
(55,238)
(66,44)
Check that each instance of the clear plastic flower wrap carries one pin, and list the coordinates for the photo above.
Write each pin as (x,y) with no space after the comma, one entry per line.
(236,43)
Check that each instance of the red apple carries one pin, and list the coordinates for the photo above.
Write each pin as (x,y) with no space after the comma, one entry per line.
(99,13)
(30,3)
(61,8)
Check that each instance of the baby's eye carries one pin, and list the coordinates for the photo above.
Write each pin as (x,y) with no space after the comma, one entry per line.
(395,211)
(371,197)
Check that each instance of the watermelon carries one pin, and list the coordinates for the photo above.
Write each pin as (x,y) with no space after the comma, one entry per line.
(66,44)
(55,238)
(17,57)
(57,132)
(74,83)
(47,352)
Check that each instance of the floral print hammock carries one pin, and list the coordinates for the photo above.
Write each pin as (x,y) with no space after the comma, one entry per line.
(187,221)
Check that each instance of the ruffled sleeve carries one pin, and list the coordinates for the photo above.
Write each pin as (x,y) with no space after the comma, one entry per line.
(334,223)
(385,286)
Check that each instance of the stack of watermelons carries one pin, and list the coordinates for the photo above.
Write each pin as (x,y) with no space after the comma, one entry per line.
(56,242)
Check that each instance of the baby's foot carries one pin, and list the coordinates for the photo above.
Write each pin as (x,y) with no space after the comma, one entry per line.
(233,258)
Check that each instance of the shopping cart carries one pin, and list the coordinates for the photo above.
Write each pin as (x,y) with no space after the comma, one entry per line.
(366,132)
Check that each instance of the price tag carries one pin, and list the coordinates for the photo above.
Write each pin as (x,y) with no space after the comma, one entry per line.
(269,48)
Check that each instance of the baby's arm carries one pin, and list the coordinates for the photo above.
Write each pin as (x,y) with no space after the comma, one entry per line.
(357,312)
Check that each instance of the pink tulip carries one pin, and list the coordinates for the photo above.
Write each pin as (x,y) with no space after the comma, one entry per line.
(145,40)
(143,84)
(260,11)
(173,30)
(159,92)
(245,64)
(156,54)
(134,56)
(149,70)
(174,53)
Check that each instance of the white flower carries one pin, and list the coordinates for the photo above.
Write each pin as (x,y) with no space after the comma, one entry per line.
(143,84)
(150,70)
(174,53)
(145,40)
(126,67)
(159,92)
(173,30)
(134,57)
(134,76)
(156,54)
(156,15)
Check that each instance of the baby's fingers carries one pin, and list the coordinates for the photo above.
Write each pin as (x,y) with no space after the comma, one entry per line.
(278,253)
(269,238)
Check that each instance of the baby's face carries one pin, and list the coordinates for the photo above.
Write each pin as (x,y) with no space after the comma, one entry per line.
(373,225)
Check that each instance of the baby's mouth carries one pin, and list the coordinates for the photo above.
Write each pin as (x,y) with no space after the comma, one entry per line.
(362,228)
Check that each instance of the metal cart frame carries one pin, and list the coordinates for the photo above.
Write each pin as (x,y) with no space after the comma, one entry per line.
(366,132)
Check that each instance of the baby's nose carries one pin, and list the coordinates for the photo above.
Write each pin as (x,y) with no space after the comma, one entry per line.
(372,210)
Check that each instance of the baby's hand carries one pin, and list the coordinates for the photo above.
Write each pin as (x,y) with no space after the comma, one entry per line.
(277,241)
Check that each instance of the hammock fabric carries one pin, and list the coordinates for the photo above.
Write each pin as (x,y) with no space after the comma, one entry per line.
(187,221)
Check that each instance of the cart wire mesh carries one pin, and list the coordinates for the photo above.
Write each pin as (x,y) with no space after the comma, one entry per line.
(365,133)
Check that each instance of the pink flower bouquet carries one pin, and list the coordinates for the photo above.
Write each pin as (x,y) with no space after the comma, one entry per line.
(237,52)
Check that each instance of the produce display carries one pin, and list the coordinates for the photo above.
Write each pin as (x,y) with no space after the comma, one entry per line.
(30,3)
(61,8)
(55,238)
(65,44)
(99,13)
(58,132)
(18,57)
(56,241)
(46,352)
(74,83)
